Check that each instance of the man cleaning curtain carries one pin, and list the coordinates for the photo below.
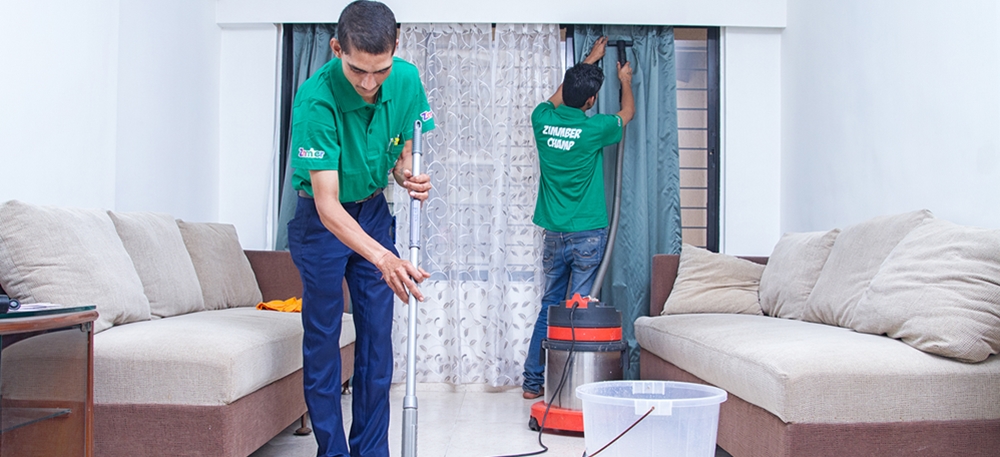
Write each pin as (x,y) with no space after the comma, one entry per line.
(571,206)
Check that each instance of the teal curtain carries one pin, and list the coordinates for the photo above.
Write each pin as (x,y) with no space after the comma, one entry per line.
(650,221)
(310,50)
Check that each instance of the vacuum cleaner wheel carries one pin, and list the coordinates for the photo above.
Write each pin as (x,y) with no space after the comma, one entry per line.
(533,424)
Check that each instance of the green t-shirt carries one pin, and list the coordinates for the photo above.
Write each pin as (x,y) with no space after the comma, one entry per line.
(333,128)
(571,159)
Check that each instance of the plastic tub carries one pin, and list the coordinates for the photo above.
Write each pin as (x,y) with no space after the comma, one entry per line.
(683,422)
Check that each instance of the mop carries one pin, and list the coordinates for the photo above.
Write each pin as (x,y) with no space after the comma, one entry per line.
(410,399)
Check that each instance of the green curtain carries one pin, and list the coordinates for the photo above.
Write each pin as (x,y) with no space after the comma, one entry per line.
(650,221)
(310,50)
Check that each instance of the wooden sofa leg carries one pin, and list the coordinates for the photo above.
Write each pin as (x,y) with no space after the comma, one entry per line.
(303,430)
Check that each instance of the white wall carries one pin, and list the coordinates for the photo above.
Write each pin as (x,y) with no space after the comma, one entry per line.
(110,104)
(890,106)
(169,106)
(751,137)
(58,101)
(248,116)
(168,109)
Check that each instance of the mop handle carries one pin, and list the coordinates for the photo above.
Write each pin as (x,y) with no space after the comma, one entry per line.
(414,203)
(410,399)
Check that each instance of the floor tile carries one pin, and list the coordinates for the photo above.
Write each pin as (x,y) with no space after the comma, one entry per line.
(452,421)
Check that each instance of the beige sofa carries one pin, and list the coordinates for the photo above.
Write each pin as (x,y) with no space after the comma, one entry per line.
(184,363)
(878,340)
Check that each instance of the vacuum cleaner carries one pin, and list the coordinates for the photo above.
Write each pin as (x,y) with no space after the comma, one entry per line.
(584,341)
(410,399)
(584,345)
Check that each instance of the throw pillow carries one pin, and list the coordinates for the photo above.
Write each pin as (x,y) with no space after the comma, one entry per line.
(69,257)
(792,271)
(855,258)
(227,280)
(714,283)
(154,243)
(938,291)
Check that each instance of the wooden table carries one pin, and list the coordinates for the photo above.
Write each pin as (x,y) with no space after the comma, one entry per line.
(47,382)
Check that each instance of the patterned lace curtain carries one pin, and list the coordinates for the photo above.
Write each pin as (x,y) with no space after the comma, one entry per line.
(479,242)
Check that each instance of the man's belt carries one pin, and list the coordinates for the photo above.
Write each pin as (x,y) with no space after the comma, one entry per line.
(377,192)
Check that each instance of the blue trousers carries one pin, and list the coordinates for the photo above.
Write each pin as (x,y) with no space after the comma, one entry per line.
(570,261)
(324,262)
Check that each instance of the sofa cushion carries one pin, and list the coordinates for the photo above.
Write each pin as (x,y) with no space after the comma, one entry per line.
(226,277)
(855,258)
(71,257)
(804,372)
(938,291)
(792,271)
(714,283)
(204,358)
(154,243)
(221,357)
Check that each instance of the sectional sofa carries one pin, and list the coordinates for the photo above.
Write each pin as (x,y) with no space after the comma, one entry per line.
(184,363)
(880,339)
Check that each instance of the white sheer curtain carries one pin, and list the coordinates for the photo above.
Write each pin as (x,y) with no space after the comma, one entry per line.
(479,242)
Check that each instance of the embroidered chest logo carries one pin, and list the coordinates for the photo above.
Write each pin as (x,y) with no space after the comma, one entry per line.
(311,153)
(426,116)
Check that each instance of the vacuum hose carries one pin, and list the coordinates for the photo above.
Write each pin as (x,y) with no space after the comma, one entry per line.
(616,210)
(616,206)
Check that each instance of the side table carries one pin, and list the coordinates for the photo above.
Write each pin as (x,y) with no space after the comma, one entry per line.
(47,381)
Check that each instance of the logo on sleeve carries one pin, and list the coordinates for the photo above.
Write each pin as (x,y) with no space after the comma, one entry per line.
(311,153)
(426,116)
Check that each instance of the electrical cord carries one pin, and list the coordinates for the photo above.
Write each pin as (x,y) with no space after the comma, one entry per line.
(562,381)
(651,408)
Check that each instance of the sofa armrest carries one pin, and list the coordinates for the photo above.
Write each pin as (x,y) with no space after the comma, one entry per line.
(664,273)
(278,277)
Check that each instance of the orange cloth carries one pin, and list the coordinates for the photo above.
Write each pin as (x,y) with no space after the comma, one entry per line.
(292,305)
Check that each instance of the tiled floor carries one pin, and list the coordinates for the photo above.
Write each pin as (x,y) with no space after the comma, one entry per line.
(453,421)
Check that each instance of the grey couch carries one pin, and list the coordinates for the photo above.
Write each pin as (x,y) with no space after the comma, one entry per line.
(180,367)
(802,387)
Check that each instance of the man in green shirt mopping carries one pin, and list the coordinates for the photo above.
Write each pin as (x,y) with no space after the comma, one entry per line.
(352,125)
(571,205)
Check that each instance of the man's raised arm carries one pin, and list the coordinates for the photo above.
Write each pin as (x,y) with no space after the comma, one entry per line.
(596,53)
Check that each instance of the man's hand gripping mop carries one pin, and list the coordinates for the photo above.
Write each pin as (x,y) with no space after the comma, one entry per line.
(410,400)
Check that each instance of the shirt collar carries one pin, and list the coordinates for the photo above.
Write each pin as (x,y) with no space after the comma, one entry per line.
(568,111)
(347,97)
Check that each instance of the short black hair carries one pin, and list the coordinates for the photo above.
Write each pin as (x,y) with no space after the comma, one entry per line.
(367,26)
(581,82)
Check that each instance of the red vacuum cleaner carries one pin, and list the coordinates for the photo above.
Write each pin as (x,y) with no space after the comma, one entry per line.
(584,345)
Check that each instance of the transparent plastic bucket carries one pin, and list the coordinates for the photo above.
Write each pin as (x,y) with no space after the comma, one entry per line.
(683,418)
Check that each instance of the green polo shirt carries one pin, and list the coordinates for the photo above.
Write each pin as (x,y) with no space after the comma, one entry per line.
(333,128)
(571,158)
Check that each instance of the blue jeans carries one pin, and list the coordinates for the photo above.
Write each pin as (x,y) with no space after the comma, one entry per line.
(570,261)
(324,262)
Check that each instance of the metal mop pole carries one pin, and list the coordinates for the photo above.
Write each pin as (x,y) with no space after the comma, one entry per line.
(410,400)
